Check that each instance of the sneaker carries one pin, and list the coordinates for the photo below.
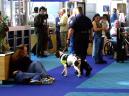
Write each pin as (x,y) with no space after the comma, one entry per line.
(35,82)
(51,78)
(46,81)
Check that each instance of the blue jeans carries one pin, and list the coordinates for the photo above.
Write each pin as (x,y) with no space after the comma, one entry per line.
(98,47)
(36,71)
(71,47)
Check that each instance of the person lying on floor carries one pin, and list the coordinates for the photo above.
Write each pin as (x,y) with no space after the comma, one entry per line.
(24,70)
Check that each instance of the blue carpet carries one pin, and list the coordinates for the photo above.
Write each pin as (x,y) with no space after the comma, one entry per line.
(62,84)
(115,76)
(49,62)
(96,94)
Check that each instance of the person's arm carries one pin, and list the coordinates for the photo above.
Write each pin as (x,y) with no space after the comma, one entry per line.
(45,16)
(107,28)
(38,21)
(91,35)
(70,33)
(95,27)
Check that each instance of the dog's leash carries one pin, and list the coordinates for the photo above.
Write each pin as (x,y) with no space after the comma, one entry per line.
(65,49)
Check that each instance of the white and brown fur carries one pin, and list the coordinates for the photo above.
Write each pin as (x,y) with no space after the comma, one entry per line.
(69,62)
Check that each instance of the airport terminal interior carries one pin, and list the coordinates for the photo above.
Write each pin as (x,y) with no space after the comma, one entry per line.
(107,78)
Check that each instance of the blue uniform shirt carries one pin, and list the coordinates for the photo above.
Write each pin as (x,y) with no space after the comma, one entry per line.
(81,25)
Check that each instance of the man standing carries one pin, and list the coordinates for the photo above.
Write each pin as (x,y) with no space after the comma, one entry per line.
(58,38)
(79,33)
(114,16)
(41,28)
(63,27)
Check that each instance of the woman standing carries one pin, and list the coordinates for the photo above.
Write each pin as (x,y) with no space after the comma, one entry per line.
(98,40)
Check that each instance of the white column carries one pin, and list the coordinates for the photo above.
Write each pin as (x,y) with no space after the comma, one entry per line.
(2,6)
(127,12)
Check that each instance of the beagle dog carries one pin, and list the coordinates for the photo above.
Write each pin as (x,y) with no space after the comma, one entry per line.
(69,60)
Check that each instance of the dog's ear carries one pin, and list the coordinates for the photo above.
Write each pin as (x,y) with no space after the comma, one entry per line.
(76,63)
(57,54)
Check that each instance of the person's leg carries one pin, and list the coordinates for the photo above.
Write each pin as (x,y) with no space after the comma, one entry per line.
(38,49)
(58,40)
(63,39)
(96,49)
(37,67)
(22,76)
(93,49)
(86,66)
(44,46)
(101,49)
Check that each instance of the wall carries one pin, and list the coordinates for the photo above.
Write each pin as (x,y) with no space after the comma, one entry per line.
(99,4)
(51,9)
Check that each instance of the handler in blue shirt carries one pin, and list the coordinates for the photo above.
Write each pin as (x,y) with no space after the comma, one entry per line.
(79,29)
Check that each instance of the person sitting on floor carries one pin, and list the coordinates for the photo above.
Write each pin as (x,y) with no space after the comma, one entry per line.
(24,70)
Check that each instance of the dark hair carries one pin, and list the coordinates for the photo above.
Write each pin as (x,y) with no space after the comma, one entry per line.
(21,46)
(114,9)
(97,14)
(42,8)
(80,10)
(0,13)
(36,9)
(105,15)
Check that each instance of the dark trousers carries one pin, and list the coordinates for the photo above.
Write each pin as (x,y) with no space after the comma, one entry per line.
(80,49)
(42,43)
(85,66)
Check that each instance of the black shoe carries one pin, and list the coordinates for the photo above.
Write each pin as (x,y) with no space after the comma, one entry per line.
(88,72)
(103,61)
(99,62)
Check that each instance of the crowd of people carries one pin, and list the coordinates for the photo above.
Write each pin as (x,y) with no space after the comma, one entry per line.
(73,33)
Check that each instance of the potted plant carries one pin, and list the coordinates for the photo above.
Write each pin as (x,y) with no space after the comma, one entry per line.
(3,29)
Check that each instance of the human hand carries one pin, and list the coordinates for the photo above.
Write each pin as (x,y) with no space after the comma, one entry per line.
(104,28)
(15,72)
(67,42)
